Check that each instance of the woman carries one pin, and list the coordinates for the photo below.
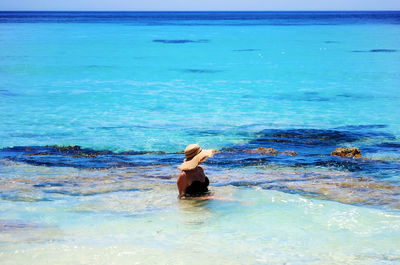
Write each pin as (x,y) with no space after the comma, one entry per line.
(192,181)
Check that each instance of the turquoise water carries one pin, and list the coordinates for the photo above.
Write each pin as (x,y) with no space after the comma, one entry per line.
(109,86)
(151,83)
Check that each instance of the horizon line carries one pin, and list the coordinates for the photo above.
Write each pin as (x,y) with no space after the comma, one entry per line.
(200,11)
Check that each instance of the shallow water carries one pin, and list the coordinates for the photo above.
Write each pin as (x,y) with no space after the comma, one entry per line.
(121,94)
(246,225)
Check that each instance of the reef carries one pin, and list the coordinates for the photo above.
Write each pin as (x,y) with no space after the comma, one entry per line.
(346,152)
(263,151)
(289,153)
(296,149)
(270,151)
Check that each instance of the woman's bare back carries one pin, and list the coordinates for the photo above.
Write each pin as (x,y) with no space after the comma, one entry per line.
(187,177)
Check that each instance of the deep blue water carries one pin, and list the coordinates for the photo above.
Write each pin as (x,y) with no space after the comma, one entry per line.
(206,18)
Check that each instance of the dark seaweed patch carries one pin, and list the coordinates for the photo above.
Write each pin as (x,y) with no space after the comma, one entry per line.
(306,136)
(78,157)
(5,92)
(313,147)
(320,137)
(309,143)
(345,95)
(200,71)
(345,164)
(247,50)
(180,41)
(390,145)
(48,184)
(86,193)
(383,50)
(377,50)
(369,167)
(354,96)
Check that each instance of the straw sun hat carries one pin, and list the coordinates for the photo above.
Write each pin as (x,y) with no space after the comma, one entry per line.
(194,155)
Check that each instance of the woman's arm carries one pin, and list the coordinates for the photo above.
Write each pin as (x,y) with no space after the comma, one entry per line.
(182,184)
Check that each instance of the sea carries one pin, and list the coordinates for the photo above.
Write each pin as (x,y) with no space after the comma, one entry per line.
(96,109)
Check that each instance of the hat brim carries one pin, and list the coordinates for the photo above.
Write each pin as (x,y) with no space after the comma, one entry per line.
(194,162)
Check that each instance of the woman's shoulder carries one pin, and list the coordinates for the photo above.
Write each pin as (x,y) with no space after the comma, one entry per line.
(182,178)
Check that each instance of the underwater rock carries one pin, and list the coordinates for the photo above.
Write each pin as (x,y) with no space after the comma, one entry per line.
(346,152)
(68,148)
(263,151)
(289,153)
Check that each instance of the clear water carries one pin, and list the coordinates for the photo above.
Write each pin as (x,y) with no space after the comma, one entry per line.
(155,82)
